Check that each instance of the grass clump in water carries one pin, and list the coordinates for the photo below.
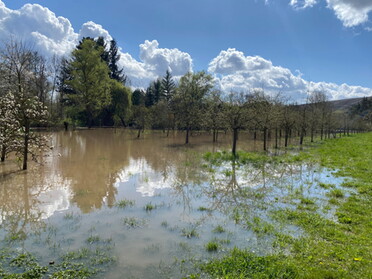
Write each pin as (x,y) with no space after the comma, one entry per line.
(133,222)
(125,203)
(202,208)
(326,185)
(336,193)
(219,229)
(212,246)
(189,232)
(149,207)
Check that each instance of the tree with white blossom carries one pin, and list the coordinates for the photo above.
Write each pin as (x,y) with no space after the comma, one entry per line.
(20,106)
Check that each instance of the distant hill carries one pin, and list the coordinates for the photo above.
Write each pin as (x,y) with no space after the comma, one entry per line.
(345,104)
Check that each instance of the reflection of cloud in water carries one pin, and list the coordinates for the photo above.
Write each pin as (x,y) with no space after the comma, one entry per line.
(146,179)
(54,195)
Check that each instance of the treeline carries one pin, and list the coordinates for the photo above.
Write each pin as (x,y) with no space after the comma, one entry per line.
(90,89)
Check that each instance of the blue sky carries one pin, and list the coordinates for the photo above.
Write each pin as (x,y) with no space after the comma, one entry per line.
(316,41)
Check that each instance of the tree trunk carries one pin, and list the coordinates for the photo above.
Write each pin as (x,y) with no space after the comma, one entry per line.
(25,147)
(276,138)
(235,138)
(122,121)
(139,133)
(264,138)
(286,137)
(187,135)
(3,152)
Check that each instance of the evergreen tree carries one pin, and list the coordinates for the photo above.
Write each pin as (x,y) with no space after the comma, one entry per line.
(168,86)
(138,97)
(90,80)
(113,58)
(101,44)
(149,97)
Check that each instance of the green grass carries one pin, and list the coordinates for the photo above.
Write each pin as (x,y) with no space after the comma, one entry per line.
(219,229)
(328,248)
(79,264)
(125,203)
(212,246)
(336,193)
(150,207)
(202,208)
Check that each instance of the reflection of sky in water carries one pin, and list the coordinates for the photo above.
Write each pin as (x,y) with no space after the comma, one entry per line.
(55,197)
(147,179)
(50,196)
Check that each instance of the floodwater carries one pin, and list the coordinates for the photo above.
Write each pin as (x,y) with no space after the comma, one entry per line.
(175,200)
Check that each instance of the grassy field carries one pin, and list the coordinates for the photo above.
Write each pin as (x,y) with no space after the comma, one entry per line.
(336,248)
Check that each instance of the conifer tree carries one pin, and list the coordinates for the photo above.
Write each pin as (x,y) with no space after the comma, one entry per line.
(90,80)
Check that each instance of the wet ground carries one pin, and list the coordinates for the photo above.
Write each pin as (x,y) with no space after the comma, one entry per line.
(152,201)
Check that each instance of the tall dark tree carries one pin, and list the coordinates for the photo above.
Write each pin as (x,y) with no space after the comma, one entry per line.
(168,86)
(153,93)
(149,97)
(138,97)
(113,58)
(101,45)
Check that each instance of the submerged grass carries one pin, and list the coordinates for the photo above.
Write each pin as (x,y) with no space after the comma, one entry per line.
(79,264)
(338,248)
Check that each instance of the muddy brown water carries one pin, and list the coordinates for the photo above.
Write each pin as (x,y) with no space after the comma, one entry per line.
(55,207)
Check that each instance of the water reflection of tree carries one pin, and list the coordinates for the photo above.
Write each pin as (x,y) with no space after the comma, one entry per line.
(92,160)
(247,190)
(20,207)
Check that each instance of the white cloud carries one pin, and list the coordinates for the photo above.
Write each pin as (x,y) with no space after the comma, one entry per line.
(158,60)
(234,71)
(302,4)
(94,30)
(36,24)
(350,12)
(51,34)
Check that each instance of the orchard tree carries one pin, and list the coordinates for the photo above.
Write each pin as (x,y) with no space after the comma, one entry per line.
(189,100)
(214,118)
(238,113)
(21,64)
(9,125)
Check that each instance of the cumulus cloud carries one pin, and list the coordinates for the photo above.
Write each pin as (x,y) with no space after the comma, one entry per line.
(51,34)
(350,12)
(234,71)
(37,24)
(159,60)
(94,30)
